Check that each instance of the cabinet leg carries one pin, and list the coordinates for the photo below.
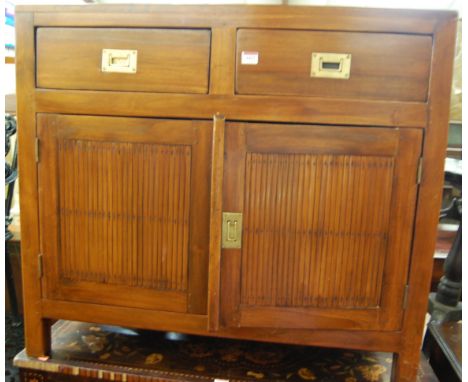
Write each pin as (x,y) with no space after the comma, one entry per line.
(38,337)
(405,366)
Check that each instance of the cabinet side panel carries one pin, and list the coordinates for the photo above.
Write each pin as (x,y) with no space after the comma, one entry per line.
(37,335)
(429,198)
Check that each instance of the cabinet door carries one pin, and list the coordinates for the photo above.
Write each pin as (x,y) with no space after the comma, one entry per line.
(327,224)
(124,210)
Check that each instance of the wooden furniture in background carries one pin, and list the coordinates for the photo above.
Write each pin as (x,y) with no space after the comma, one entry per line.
(446,234)
(443,347)
(126,176)
(444,304)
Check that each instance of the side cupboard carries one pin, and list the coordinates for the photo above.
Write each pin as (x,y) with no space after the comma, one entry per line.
(269,173)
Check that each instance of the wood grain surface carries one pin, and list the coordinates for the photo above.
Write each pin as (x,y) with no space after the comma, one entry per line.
(267,108)
(118,203)
(429,197)
(327,225)
(383,66)
(168,60)
(257,16)
(37,328)
(310,216)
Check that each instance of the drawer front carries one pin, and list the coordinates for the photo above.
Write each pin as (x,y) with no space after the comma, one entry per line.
(167,60)
(383,66)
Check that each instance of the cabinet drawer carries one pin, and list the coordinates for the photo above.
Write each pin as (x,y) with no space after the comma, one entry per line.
(383,66)
(167,60)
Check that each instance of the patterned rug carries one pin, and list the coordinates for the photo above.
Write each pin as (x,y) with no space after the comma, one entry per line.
(193,357)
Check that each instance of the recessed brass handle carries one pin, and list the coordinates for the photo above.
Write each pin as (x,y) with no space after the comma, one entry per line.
(331,65)
(119,61)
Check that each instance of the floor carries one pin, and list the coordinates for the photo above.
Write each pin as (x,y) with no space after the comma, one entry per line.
(14,343)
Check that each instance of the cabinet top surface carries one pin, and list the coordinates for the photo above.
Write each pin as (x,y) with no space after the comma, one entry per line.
(239,16)
(218,10)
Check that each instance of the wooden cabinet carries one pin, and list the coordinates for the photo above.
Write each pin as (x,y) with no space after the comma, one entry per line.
(263,173)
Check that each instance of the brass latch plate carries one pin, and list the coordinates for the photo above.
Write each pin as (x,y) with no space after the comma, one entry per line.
(232,230)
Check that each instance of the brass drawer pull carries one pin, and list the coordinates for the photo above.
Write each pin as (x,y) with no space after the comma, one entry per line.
(330,65)
(119,61)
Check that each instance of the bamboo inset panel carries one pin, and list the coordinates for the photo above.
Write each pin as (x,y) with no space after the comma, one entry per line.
(315,230)
(124,213)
